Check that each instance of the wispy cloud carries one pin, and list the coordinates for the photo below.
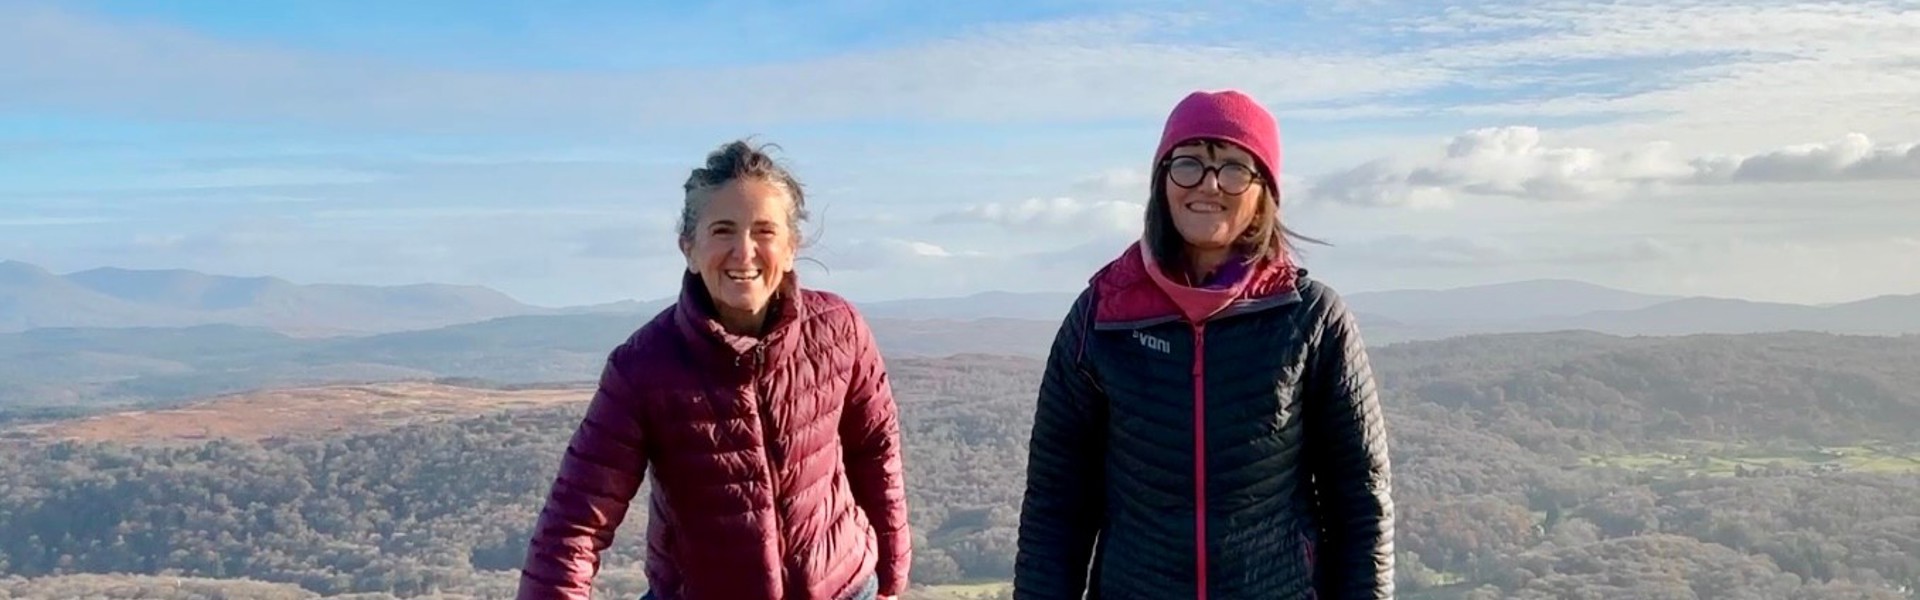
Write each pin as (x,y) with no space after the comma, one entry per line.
(545,184)
(869,254)
(1053,214)
(1515,162)
(1458,252)
(1116,183)
(1798,69)
(1854,157)
(1706,62)
(1090,68)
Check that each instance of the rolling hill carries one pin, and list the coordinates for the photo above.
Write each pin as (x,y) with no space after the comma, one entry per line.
(1533,466)
(31,297)
(1885,315)
(92,367)
(1500,303)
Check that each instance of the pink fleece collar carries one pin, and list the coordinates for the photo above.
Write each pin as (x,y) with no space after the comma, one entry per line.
(1198,303)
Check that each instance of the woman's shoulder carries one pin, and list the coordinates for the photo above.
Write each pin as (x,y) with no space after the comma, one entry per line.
(829,307)
(1320,298)
(830,318)
(1316,291)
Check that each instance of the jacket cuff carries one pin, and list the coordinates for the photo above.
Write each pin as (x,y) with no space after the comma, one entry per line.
(895,559)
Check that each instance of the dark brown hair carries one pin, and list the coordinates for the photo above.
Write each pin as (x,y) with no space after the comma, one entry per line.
(1266,237)
(733,161)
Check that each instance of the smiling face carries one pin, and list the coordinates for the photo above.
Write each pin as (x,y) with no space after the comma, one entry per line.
(742,247)
(1213,194)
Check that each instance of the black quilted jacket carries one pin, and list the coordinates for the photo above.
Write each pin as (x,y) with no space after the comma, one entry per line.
(1284,492)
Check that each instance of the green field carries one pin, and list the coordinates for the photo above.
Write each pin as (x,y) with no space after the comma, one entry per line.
(1715,459)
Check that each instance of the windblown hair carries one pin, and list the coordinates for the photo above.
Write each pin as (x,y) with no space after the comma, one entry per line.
(737,160)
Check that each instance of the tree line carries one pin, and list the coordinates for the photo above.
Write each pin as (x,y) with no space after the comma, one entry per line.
(1498,445)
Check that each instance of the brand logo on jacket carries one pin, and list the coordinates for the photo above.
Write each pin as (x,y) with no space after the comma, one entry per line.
(1154,343)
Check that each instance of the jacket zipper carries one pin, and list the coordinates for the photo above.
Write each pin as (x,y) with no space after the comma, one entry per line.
(1200,459)
(765,409)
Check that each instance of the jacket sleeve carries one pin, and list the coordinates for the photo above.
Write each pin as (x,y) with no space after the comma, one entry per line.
(598,477)
(1061,513)
(1347,457)
(870,431)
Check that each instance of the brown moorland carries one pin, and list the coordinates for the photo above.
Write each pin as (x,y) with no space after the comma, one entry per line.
(304,412)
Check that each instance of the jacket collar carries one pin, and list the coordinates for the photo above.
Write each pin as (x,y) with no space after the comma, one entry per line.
(1130,295)
(698,319)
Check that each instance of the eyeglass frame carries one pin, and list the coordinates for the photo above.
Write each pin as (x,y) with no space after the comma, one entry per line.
(1253,175)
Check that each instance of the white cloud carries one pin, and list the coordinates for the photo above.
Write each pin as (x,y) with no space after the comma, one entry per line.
(1115,183)
(1851,158)
(1054,214)
(1459,252)
(249,237)
(1504,161)
(1702,97)
(1744,73)
(1091,68)
(1734,73)
(1515,162)
(870,254)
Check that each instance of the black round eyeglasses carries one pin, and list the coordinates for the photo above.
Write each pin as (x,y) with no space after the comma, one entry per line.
(1230,178)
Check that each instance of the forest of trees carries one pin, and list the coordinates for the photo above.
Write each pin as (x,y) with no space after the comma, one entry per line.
(1526,466)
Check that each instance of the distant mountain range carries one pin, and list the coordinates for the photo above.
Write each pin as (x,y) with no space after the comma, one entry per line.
(94,367)
(31,297)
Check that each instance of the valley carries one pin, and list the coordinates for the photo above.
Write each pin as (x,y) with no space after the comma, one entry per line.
(1526,466)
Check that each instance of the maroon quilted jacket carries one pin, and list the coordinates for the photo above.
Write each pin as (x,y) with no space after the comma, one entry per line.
(776,461)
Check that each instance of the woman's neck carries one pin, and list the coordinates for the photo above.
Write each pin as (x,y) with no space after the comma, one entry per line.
(744,324)
(1201,263)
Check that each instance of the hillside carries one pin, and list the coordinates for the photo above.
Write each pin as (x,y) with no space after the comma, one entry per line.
(307,413)
(1504,302)
(80,368)
(1554,305)
(1875,316)
(1526,466)
(31,297)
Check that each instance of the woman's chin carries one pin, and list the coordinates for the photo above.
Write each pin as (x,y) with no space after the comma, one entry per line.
(740,300)
(741,304)
(1215,234)
(1211,240)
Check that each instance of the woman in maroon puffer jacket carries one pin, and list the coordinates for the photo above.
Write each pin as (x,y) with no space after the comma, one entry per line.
(763,411)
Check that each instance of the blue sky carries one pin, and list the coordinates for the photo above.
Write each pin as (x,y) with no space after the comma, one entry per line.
(1697,146)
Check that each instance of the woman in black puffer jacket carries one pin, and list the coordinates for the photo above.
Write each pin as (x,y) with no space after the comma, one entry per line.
(1208,425)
